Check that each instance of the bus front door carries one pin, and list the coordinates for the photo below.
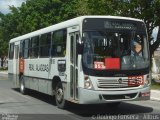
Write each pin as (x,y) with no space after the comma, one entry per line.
(74,37)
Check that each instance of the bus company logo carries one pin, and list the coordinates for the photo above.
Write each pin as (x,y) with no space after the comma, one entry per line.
(120,80)
(39,67)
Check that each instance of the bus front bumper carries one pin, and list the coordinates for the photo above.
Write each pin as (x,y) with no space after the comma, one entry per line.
(95,97)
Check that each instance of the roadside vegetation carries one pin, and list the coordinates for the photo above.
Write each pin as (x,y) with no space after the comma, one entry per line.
(3,69)
(155,86)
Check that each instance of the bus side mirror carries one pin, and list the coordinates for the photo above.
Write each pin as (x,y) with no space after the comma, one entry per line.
(80,48)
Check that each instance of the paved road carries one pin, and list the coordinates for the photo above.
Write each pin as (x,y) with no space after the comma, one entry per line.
(41,106)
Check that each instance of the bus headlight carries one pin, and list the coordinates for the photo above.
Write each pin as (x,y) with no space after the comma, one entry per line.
(87,83)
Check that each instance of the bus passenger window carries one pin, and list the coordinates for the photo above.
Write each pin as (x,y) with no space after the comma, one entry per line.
(26,48)
(45,41)
(33,52)
(11,51)
(59,43)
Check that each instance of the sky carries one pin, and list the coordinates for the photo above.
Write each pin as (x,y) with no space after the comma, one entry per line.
(4,5)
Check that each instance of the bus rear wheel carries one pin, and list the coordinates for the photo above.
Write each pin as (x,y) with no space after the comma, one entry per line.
(22,85)
(59,96)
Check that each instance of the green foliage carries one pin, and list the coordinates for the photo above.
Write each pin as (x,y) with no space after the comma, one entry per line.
(37,14)
(4,69)
(155,86)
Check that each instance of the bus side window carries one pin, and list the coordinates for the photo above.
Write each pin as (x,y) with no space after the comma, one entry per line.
(33,51)
(26,48)
(45,41)
(59,43)
(11,51)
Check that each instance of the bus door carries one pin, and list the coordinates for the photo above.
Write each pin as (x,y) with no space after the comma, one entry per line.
(16,65)
(74,37)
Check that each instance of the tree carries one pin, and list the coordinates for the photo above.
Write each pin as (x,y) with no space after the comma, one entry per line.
(3,44)
(147,10)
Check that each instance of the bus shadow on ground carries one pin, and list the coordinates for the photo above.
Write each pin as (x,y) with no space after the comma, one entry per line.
(124,108)
(40,96)
(104,109)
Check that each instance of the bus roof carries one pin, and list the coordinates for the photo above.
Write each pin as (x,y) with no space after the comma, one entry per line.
(65,24)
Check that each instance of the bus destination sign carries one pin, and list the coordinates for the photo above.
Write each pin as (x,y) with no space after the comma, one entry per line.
(119,25)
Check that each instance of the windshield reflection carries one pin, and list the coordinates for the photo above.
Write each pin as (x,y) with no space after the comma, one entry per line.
(115,50)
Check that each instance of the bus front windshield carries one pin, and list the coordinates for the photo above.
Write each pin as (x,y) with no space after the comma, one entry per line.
(111,49)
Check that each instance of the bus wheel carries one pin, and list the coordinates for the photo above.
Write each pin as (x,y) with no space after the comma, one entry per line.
(59,96)
(22,85)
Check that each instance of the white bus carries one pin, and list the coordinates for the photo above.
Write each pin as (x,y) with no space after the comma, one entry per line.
(85,60)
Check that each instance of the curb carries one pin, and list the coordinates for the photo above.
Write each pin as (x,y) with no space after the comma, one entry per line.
(4,72)
(155,99)
(155,95)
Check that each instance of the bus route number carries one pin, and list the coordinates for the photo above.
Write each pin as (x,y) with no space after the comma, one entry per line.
(99,65)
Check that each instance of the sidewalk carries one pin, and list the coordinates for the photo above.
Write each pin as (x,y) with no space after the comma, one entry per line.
(4,72)
(155,94)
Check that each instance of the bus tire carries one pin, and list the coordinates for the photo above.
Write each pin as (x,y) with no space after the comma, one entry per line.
(59,96)
(22,85)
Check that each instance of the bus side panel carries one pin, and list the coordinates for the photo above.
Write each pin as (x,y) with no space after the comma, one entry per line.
(11,75)
(38,68)
(38,74)
(43,83)
(54,71)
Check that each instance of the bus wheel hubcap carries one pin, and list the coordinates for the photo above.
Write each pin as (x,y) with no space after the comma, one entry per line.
(22,87)
(59,95)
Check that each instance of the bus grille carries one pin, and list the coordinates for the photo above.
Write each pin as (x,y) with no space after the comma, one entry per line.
(113,83)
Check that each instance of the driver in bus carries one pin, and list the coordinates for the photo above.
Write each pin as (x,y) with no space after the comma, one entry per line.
(136,48)
(133,53)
